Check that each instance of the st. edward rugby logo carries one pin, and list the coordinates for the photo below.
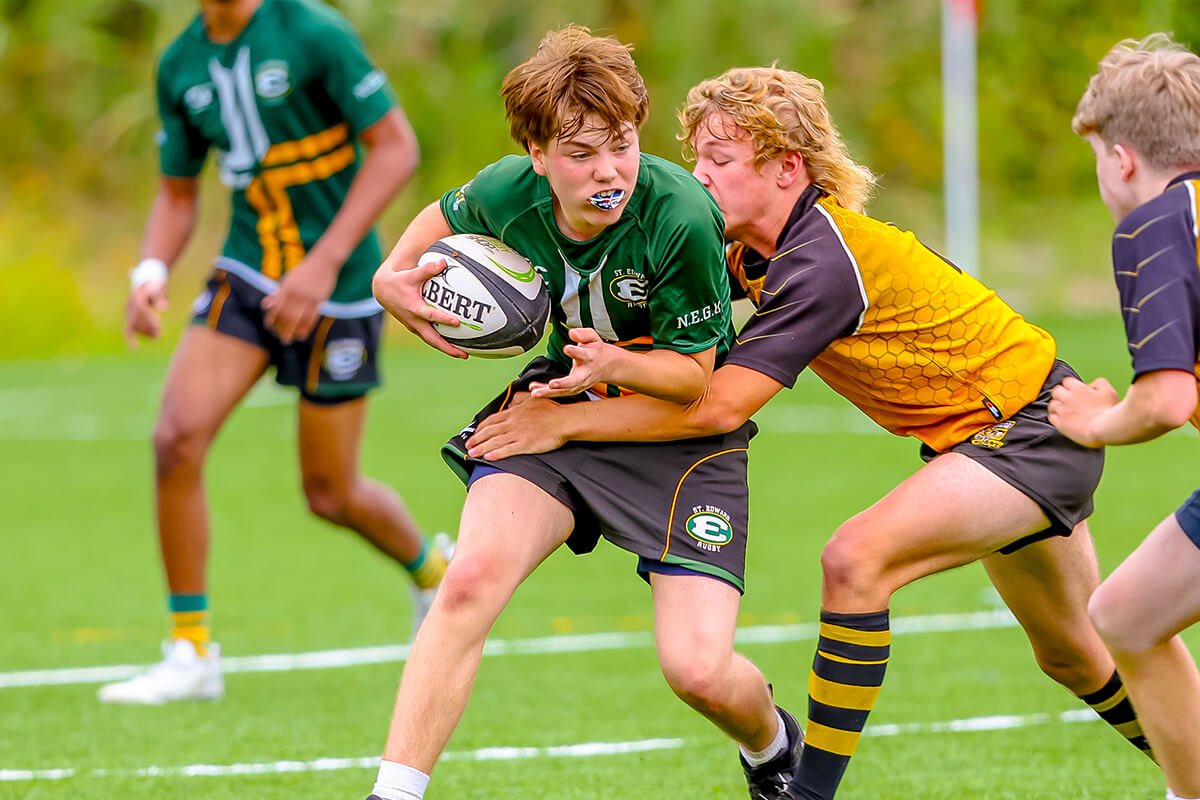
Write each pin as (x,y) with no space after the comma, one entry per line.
(709,526)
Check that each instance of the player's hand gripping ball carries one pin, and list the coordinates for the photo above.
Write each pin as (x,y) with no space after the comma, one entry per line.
(497,295)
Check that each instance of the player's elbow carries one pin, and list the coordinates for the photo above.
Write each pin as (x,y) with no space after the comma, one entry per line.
(1171,400)
(1173,411)
(710,418)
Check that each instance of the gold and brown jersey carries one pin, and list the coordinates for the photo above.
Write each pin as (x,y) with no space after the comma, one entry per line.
(920,347)
(1155,264)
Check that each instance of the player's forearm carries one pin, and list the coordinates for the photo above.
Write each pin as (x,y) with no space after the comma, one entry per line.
(634,419)
(170,224)
(1155,404)
(387,167)
(663,374)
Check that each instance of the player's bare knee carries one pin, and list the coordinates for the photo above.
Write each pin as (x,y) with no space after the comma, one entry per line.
(1112,620)
(176,447)
(326,504)
(697,681)
(847,565)
(1069,666)
(472,584)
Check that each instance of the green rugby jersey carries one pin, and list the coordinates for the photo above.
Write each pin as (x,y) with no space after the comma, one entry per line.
(655,279)
(282,104)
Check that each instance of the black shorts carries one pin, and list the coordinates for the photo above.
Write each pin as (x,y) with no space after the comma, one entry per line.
(337,362)
(683,504)
(1027,452)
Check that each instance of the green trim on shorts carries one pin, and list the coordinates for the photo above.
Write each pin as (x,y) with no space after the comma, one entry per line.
(706,569)
(457,461)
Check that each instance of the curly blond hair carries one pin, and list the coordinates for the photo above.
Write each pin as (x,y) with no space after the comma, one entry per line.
(782,112)
(1146,95)
(572,76)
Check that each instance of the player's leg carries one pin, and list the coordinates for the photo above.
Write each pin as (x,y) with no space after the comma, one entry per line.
(209,373)
(930,522)
(508,527)
(329,439)
(1047,585)
(1140,610)
(698,660)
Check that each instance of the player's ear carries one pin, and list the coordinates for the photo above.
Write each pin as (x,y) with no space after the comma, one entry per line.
(1129,160)
(791,169)
(537,154)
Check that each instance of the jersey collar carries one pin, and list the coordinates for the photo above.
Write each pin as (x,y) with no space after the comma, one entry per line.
(804,202)
(1187,176)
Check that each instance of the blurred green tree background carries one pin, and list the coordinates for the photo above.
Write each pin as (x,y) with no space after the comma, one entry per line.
(78,167)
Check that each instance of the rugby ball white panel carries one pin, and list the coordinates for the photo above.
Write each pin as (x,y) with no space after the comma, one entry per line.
(497,295)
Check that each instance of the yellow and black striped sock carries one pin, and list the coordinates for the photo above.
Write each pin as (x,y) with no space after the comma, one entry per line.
(430,566)
(1113,706)
(847,674)
(189,620)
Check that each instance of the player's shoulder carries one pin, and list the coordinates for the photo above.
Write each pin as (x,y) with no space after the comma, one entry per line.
(512,174)
(1176,204)
(666,179)
(307,18)
(672,194)
(184,45)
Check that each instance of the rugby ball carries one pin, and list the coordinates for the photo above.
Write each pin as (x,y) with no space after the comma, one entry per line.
(497,295)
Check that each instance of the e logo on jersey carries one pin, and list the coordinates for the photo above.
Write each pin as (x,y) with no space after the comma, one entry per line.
(630,287)
(344,358)
(199,97)
(709,526)
(272,80)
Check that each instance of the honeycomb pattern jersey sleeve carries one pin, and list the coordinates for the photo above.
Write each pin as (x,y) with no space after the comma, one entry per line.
(1158,279)
(920,347)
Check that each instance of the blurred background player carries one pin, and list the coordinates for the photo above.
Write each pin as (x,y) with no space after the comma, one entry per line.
(1141,115)
(284,91)
(630,245)
(918,346)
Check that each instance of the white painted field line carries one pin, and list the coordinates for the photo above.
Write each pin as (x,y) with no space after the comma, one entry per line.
(585,750)
(570,643)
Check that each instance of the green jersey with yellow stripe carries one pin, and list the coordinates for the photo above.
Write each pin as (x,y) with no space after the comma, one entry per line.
(282,104)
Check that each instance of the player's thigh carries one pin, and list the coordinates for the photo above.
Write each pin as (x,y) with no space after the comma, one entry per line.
(1157,588)
(329,438)
(1047,583)
(680,632)
(951,511)
(209,373)
(509,525)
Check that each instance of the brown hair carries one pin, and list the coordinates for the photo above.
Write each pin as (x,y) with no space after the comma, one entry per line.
(1146,95)
(783,112)
(573,75)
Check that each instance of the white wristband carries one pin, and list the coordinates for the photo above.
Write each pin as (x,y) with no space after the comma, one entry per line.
(147,270)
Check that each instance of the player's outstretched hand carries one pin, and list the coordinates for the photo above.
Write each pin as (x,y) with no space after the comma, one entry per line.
(592,359)
(1075,404)
(399,292)
(528,425)
(143,312)
(294,308)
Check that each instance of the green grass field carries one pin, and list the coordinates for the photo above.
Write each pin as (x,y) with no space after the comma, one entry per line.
(81,587)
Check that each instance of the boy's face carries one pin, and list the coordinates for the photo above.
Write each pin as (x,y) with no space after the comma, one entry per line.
(1113,171)
(725,166)
(592,175)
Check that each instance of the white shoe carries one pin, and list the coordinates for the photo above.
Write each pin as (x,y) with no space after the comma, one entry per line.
(181,675)
(423,598)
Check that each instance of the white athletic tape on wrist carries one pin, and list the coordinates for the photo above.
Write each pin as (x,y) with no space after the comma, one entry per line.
(147,270)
